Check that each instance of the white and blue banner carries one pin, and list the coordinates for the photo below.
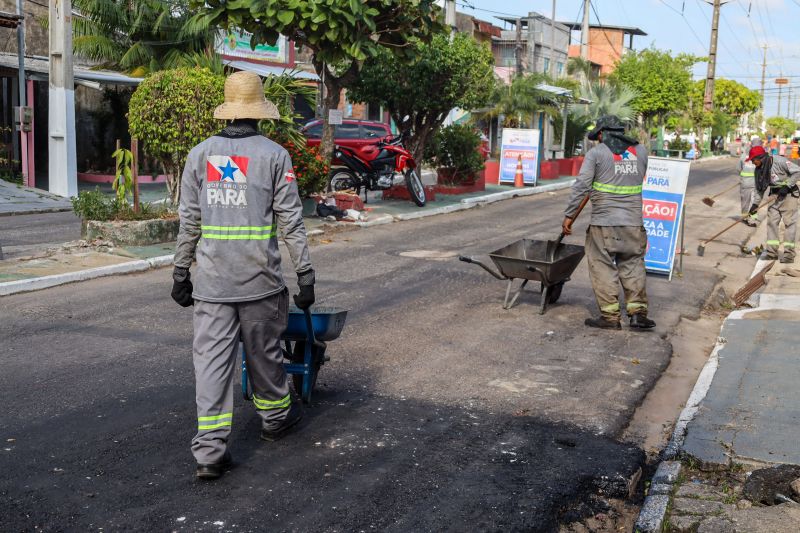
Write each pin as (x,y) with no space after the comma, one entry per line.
(663,195)
(519,144)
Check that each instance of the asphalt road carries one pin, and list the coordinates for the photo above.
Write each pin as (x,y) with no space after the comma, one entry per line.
(24,234)
(438,410)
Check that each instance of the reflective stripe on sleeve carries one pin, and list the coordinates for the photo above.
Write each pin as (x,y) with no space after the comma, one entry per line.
(236,233)
(617,189)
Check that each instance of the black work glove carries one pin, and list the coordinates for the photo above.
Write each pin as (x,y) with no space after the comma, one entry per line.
(754,209)
(783,192)
(182,287)
(305,281)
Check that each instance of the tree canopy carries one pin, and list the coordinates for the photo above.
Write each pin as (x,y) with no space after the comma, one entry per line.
(781,126)
(171,112)
(662,81)
(137,36)
(730,97)
(340,33)
(444,75)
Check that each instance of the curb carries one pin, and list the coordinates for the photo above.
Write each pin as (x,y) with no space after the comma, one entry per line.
(45,282)
(36,211)
(514,193)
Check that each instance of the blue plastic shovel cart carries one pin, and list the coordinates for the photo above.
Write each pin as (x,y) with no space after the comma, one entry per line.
(304,344)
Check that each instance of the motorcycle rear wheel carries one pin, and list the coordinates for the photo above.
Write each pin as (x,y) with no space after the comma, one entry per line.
(415,187)
(342,180)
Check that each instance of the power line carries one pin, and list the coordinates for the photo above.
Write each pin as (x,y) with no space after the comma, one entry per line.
(686,21)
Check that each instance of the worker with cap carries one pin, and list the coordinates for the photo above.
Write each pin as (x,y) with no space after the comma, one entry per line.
(236,186)
(747,185)
(778,176)
(616,241)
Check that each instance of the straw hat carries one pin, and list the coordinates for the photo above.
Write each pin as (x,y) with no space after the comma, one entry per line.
(244,98)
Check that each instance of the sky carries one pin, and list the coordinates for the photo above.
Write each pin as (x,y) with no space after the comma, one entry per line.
(685,26)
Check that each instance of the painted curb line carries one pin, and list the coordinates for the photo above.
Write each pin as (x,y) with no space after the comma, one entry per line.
(514,193)
(433,212)
(45,282)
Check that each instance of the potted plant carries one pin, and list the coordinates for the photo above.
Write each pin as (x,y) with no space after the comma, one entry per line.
(455,152)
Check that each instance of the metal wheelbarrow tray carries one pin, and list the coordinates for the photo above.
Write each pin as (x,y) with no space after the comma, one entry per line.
(527,259)
(304,344)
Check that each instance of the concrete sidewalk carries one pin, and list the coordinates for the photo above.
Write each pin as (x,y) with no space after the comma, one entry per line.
(17,200)
(743,416)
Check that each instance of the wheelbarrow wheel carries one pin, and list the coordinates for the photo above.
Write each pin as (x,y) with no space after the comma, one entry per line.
(555,293)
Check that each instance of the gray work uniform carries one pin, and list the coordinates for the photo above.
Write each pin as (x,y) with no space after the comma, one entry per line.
(784,173)
(616,240)
(747,185)
(233,192)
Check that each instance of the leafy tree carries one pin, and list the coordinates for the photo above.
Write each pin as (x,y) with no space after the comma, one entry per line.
(456,148)
(662,81)
(730,97)
(443,76)
(137,36)
(781,126)
(520,100)
(341,34)
(171,112)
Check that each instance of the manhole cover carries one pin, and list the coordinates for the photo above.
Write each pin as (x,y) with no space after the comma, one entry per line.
(435,255)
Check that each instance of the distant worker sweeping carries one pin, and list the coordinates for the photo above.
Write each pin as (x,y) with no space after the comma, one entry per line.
(616,241)
(778,175)
(236,186)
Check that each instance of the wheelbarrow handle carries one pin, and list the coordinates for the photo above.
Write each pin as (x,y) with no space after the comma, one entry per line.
(474,261)
(310,336)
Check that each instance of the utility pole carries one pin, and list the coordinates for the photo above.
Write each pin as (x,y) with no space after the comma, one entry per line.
(61,126)
(585,30)
(450,14)
(763,77)
(789,104)
(518,47)
(708,100)
(553,42)
(23,137)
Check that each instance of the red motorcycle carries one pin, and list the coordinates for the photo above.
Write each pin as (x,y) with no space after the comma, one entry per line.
(377,168)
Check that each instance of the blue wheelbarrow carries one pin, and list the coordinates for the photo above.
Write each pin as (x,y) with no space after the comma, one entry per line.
(304,344)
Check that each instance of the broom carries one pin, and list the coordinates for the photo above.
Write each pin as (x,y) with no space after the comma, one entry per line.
(701,248)
(709,200)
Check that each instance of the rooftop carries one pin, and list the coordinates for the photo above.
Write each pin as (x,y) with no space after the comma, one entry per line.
(627,30)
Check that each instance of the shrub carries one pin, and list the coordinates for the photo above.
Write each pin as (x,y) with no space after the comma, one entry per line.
(455,148)
(310,169)
(94,205)
(680,144)
(171,112)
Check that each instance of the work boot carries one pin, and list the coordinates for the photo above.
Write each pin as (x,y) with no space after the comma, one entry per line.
(787,260)
(214,470)
(640,321)
(602,323)
(280,429)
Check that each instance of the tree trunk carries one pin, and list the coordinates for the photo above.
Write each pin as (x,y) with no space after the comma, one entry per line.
(173,182)
(333,92)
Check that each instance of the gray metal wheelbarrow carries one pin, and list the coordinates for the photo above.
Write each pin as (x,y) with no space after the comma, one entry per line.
(531,260)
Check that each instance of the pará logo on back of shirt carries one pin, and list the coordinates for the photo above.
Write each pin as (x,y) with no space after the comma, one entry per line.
(626,162)
(226,181)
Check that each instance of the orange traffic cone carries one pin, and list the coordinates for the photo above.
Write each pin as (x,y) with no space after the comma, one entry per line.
(519,177)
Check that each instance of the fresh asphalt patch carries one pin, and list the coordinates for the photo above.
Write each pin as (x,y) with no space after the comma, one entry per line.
(358,462)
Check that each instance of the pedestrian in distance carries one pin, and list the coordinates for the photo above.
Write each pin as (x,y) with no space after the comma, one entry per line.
(778,176)
(616,241)
(747,185)
(238,189)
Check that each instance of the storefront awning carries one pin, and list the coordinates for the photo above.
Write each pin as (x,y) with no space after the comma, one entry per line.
(38,69)
(268,70)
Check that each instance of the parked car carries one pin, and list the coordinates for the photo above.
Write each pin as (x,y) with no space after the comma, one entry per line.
(359,135)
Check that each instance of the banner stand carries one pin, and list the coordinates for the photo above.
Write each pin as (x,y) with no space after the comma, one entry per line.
(663,213)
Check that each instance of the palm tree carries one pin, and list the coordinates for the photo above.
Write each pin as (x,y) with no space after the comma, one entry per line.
(519,101)
(138,36)
(606,99)
(580,68)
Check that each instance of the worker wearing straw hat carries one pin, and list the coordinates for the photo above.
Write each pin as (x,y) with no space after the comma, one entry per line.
(238,189)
